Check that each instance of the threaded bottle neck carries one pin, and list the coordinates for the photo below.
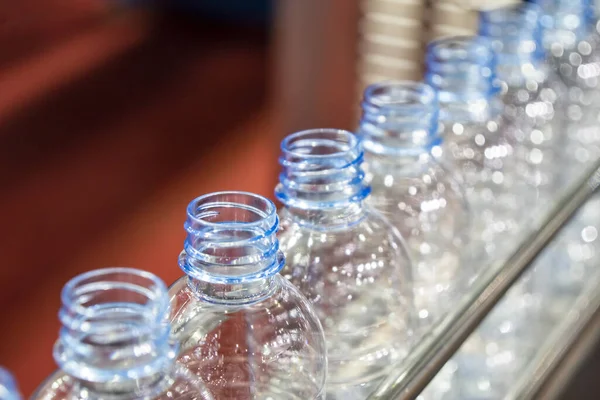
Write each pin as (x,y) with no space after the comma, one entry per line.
(231,251)
(461,68)
(399,119)
(115,330)
(321,169)
(515,34)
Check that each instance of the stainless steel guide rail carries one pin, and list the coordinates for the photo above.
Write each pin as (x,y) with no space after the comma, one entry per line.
(559,359)
(445,339)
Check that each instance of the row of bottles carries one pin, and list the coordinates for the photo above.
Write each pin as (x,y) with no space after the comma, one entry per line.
(379,235)
(548,67)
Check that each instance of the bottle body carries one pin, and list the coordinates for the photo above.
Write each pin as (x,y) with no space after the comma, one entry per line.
(346,259)
(267,349)
(243,329)
(534,122)
(463,72)
(478,142)
(354,287)
(475,147)
(428,207)
(531,92)
(416,193)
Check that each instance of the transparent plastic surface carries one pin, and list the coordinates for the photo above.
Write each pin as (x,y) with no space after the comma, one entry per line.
(114,341)
(573,42)
(8,387)
(463,72)
(567,278)
(531,91)
(346,258)
(243,329)
(398,129)
(484,147)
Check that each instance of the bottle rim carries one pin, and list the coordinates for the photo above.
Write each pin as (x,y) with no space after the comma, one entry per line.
(340,136)
(469,49)
(403,95)
(156,290)
(108,313)
(263,208)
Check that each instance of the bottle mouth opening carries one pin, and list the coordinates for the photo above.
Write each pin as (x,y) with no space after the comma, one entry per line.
(97,298)
(216,210)
(319,143)
(114,325)
(475,50)
(399,97)
(231,238)
(399,118)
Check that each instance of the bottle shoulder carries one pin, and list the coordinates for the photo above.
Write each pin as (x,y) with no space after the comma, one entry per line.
(374,242)
(183,298)
(193,316)
(226,345)
(423,180)
(57,386)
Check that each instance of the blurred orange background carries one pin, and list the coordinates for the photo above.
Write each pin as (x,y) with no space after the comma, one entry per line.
(112,118)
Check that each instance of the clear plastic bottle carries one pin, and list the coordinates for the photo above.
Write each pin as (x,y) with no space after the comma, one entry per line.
(476,144)
(345,257)
(462,70)
(243,328)
(531,94)
(398,129)
(8,387)
(114,342)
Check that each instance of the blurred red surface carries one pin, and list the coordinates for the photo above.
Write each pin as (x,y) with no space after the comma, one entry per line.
(110,123)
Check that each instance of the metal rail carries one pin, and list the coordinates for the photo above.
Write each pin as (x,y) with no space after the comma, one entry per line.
(446,338)
(560,358)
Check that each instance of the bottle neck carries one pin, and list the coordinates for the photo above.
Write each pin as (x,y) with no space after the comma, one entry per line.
(322,178)
(115,333)
(462,70)
(515,33)
(231,253)
(399,122)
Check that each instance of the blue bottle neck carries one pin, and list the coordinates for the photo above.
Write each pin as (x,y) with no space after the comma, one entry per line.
(322,182)
(231,252)
(115,333)
(515,34)
(399,121)
(462,70)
